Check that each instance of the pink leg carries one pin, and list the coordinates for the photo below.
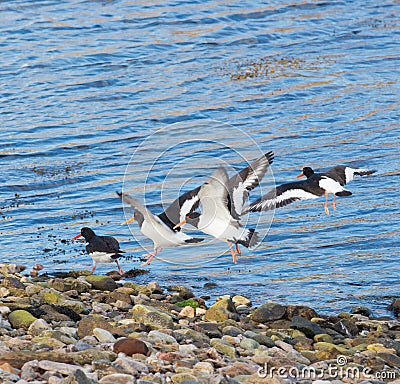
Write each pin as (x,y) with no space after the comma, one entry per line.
(234,257)
(150,256)
(238,251)
(326,204)
(94,266)
(334,202)
(121,272)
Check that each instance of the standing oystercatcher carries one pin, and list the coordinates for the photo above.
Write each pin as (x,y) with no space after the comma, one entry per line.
(316,185)
(216,218)
(102,249)
(160,228)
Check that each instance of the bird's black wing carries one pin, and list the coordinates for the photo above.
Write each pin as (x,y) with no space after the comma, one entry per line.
(285,194)
(180,208)
(244,181)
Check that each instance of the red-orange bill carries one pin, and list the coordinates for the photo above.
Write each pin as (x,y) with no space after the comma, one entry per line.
(75,237)
(301,175)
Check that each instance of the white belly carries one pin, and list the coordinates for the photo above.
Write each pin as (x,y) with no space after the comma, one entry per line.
(220,229)
(101,257)
(162,236)
(330,185)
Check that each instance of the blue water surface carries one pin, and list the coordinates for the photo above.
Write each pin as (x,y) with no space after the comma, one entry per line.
(149,97)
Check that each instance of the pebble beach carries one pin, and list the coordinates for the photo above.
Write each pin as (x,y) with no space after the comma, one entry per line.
(83,328)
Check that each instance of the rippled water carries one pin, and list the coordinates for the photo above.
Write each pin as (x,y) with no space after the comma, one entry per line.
(87,84)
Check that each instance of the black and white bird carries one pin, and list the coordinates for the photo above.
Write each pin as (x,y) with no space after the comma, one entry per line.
(160,228)
(216,217)
(316,185)
(102,249)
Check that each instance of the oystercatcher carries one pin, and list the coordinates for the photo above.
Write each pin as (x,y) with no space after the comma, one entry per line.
(102,249)
(185,205)
(160,228)
(316,185)
(216,218)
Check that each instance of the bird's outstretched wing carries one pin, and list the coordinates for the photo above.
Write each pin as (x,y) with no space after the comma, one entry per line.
(246,180)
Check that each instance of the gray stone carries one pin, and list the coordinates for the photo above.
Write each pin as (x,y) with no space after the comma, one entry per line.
(103,283)
(78,377)
(103,336)
(37,327)
(131,366)
(65,369)
(309,328)
(249,344)
(117,378)
(162,337)
(390,359)
(268,312)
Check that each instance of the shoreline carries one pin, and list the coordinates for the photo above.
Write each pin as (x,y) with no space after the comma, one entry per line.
(83,328)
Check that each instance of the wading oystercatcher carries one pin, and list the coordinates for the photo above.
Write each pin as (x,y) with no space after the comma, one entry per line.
(102,249)
(160,228)
(316,185)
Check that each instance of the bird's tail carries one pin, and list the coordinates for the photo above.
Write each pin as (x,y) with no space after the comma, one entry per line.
(194,240)
(364,172)
(118,255)
(343,193)
(251,238)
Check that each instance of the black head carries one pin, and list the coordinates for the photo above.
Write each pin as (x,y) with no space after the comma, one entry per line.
(307,172)
(193,218)
(87,233)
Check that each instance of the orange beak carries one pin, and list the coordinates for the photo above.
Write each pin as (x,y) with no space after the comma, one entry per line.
(75,237)
(301,175)
(128,221)
(183,222)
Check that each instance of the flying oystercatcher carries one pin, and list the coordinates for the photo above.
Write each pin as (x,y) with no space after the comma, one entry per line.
(160,228)
(222,202)
(216,218)
(316,185)
(102,249)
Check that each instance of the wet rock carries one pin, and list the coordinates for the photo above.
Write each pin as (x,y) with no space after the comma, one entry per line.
(361,310)
(184,292)
(117,378)
(21,319)
(102,283)
(309,328)
(346,327)
(154,287)
(241,300)
(223,347)
(231,330)
(131,346)
(152,317)
(264,340)
(221,311)
(333,349)
(395,307)
(268,312)
(300,310)
(210,329)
